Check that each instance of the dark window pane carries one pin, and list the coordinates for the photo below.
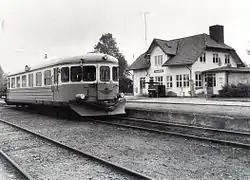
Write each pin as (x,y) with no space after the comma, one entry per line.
(115,73)
(89,73)
(65,74)
(76,73)
(104,73)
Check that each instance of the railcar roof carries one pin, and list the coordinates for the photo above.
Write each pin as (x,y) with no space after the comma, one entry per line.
(86,58)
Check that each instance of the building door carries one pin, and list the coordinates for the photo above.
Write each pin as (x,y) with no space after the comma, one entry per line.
(210,82)
(142,84)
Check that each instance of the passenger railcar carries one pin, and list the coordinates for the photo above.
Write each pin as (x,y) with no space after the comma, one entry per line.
(87,84)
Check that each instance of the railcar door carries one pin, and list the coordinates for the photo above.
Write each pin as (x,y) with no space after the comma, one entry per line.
(55,82)
(104,86)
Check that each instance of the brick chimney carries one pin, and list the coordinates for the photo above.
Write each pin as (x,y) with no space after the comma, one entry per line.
(217,33)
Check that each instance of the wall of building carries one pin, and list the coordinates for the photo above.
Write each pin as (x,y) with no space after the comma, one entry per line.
(220,82)
(137,74)
(236,78)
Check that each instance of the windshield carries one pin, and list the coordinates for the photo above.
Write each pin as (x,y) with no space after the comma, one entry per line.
(89,73)
(76,73)
(105,73)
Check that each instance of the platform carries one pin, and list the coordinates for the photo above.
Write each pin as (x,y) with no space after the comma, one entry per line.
(223,113)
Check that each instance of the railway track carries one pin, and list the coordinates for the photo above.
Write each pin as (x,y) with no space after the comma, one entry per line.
(238,139)
(34,143)
(18,173)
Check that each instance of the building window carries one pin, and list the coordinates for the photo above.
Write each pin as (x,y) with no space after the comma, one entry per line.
(210,79)
(186,80)
(215,58)
(18,84)
(227,59)
(203,57)
(47,77)
(178,80)
(158,60)
(30,76)
(38,79)
(142,83)
(65,74)
(24,81)
(13,82)
(159,79)
(169,81)
(198,80)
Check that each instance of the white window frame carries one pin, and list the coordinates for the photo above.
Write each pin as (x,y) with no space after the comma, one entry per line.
(227,59)
(185,80)
(198,79)
(158,60)
(203,57)
(179,80)
(159,79)
(215,57)
(169,81)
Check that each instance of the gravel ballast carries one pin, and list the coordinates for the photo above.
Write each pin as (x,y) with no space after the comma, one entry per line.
(158,156)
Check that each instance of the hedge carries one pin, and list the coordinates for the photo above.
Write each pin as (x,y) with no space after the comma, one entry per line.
(240,90)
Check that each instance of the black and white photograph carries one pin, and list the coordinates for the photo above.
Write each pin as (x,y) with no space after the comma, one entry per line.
(124,89)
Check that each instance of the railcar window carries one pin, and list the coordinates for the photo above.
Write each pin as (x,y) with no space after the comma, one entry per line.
(56,70)
(24,81)
(13,83)
(18,84)
(65,74)
(115,73)
(30,76)
(76,73)
(89,73)
(47,77)
(8,83)
(39,79)
(104,73)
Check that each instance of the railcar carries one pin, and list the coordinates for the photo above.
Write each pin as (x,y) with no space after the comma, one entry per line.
(88,84)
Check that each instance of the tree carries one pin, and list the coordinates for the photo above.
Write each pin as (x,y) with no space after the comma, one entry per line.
(3,82)
(108,45)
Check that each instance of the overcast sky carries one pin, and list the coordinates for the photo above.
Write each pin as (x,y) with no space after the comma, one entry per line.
(72,27)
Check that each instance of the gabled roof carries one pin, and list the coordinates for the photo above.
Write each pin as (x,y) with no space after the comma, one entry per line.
(190,48)
(184,51)
(228,69)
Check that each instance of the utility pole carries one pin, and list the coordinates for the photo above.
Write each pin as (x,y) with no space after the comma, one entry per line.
(145,27)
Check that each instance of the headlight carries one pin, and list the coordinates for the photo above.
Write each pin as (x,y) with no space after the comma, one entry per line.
(80,96)
(121,95)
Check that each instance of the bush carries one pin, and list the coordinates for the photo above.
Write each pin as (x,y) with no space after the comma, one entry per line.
(240,90)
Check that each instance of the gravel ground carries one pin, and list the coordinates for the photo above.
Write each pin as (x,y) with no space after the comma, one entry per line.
(43,160)
(159,156)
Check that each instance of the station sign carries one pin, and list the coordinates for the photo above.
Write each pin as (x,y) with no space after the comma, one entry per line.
(158,71)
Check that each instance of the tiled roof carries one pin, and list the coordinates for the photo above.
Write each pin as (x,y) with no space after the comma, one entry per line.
(184,51)
(228,69)
(140,63)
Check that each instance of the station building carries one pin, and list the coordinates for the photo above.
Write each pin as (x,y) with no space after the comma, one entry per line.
(199,64)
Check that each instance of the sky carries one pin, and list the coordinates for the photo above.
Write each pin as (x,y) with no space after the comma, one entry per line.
(72,27)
